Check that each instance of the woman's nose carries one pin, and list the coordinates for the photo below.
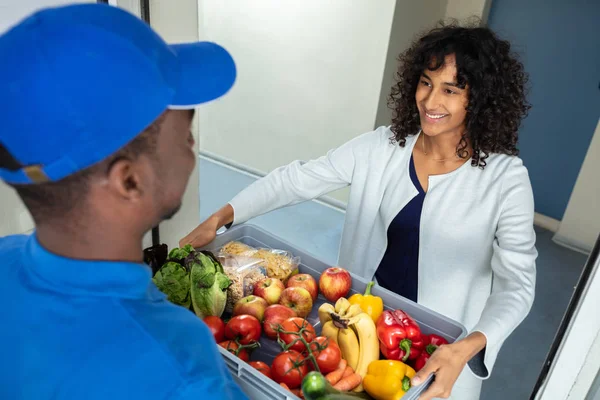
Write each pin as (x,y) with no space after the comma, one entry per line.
(432,100)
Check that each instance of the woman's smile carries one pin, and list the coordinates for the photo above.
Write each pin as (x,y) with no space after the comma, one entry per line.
(434,118)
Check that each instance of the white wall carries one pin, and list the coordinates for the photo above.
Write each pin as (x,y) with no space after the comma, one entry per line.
(14,217)
(580,225)
(578,358)
(309,78)
(588,379)
(594,392)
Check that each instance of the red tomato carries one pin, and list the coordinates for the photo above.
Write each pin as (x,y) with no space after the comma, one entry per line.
(246,328)
(294,325)
(262,367)
(327,353)
(290,368)
(216,326)
(234,349)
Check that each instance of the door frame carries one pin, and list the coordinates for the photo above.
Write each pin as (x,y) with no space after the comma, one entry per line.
(574,357)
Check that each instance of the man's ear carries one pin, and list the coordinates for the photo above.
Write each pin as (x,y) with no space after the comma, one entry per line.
(125,179)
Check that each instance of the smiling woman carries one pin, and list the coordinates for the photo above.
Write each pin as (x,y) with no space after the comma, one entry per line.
(467,81)
(422,220)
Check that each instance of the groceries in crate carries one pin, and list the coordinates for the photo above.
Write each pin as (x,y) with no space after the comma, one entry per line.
(278,263)
(315,386)
(242,351)
(275,314)
(388,379)
(305,281)
(194,278)
(358,349)
(335,282)
(244,273)
(216,326)
(432,342)
(262,367)
(354,331)
(245,329)
(269,289)
(372,305)
(298,299)
(251,305)
(400,336)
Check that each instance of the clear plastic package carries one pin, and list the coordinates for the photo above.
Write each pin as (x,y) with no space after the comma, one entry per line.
(278,264)
(244,273)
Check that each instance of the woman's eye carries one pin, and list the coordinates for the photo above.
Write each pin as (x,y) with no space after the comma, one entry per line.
(450,91)
(425,83)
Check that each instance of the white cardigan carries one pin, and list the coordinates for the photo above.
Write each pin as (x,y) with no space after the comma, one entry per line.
(477,243)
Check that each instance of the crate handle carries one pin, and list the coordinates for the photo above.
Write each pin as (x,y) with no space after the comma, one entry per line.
(416,391)
(250,379)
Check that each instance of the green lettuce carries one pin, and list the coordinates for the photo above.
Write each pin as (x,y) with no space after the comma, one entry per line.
(179,254)
(209,284)
(173,279)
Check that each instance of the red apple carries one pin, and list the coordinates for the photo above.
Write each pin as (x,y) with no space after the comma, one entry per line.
(269,289)
(274,316)
(335,282)
(305,281)
(251,305)
(298,299)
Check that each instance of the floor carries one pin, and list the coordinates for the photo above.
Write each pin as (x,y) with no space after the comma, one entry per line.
(317,228)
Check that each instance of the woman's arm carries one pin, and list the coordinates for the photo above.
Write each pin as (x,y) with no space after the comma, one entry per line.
(288,185)
(513,289)
(513,265)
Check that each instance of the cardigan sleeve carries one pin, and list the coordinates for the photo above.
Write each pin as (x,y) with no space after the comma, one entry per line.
(301,181)
(513,265)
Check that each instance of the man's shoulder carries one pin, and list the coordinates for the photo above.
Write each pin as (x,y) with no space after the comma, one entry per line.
(175,330)
(186,347)
(11,251)
(12,244)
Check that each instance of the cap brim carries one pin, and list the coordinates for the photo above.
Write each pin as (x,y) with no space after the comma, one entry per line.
(207,72)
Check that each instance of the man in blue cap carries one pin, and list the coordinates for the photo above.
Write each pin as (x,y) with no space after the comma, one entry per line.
(96,111)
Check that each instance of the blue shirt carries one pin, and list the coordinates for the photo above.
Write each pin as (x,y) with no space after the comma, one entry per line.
(98,330)
(398,270)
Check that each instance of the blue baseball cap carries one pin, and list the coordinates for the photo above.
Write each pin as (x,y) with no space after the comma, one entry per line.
(77,83)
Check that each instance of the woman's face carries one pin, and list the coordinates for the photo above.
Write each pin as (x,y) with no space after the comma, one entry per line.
(441,103)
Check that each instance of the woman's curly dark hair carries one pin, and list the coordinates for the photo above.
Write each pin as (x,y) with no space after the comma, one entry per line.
(496,95)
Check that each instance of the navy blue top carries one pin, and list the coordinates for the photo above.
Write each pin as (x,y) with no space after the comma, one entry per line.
(399,268)
(76,329)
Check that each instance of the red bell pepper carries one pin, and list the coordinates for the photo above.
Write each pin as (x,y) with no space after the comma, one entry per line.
(433,341)
(399,336)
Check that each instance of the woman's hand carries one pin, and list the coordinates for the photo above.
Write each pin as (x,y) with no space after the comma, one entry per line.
(447,362)
(207,230)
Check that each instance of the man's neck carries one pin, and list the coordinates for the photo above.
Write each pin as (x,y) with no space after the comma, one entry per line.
(90,244)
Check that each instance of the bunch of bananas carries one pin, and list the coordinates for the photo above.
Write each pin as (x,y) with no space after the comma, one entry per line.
(353,331)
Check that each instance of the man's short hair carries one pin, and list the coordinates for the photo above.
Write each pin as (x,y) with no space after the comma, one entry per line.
(58,199)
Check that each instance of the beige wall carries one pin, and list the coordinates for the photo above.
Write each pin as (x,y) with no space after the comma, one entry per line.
(410,19)
(177,21)
(463,9)
(580,225)
(14,217)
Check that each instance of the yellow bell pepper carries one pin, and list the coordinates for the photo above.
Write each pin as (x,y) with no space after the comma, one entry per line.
(372,305)
(388,379)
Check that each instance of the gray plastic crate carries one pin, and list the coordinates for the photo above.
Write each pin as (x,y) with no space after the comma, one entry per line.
(256,385)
